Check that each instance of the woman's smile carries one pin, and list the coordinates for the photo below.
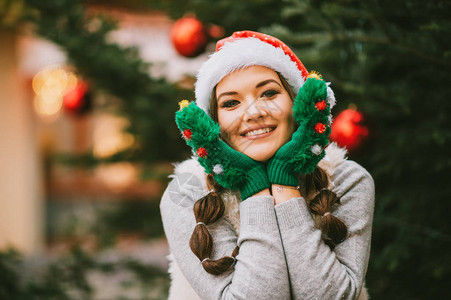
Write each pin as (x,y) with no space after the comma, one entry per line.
(258,132)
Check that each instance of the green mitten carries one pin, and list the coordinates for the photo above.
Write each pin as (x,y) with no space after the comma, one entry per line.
(306,148)
(230,168)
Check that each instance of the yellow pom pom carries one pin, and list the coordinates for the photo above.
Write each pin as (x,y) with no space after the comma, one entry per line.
(183,104)
(315,75)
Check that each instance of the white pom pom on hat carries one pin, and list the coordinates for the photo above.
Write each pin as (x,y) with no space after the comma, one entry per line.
(244,49)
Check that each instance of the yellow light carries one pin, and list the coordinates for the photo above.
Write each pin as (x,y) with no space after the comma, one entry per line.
(38,81)
(47,107)
(50,85)
(72,81)
(109,136)
(117,176)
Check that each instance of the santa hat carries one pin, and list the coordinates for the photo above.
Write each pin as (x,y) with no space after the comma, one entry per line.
(244,49)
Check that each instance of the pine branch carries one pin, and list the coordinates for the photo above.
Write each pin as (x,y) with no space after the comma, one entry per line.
(380,23)
(384,41)
(420,229)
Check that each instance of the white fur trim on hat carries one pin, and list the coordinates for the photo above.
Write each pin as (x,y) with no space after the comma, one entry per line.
(239,54)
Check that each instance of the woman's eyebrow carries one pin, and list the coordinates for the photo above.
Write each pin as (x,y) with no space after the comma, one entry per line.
(265,82)
(227,94)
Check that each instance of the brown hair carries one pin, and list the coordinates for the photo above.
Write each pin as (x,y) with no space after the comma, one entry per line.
(207,210)
(320,201)
(210,208)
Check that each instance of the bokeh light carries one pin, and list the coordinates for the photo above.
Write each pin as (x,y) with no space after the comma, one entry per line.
(109,136)
(50,85)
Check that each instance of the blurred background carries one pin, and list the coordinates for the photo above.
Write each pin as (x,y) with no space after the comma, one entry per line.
(88,91)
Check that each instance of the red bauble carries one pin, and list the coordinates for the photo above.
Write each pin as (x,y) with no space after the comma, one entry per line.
(189,36)
(78,100)
(347,131)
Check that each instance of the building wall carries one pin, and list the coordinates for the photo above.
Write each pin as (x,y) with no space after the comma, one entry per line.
(21,191)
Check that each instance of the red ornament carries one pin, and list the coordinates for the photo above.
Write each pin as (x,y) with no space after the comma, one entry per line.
(321,105)
(320,128)
(202,152)
(187,134)
(78,100)
(189,36)
(346,130)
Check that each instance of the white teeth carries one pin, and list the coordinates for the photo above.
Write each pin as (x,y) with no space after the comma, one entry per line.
(258,131)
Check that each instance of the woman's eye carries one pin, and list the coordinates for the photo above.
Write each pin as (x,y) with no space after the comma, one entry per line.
(270,93)
(230,103)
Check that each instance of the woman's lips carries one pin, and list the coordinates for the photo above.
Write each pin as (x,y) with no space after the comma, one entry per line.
(258,133)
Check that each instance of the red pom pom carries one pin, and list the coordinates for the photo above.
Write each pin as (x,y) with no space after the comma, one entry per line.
(321,105)
(202,152)
(187,134)
(320,128)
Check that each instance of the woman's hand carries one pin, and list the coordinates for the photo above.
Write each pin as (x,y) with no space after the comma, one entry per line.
(230,168)
(306,148)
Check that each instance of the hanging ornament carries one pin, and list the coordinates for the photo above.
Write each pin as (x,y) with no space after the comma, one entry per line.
(78,100)
(189,36)
(347,131)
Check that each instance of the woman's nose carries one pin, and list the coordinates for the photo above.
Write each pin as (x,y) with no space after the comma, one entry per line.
(255,110)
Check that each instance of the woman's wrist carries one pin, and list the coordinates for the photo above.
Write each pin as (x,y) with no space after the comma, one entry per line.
(282,193)
(264,192)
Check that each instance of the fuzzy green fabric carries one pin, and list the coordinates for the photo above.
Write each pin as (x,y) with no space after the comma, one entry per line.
(296,156)
(230,168)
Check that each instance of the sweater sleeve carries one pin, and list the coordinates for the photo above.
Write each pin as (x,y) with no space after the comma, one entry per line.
(260,271)
(315,271)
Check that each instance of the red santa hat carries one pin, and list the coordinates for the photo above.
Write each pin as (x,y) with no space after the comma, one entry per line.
(244,49)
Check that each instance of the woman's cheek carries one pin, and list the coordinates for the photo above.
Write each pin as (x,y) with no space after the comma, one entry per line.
(278,108)
(229,136)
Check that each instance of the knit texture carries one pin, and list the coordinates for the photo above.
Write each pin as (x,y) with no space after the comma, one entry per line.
(306,148)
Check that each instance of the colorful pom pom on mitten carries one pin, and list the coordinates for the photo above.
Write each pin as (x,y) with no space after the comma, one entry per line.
(302,153)
(230,168)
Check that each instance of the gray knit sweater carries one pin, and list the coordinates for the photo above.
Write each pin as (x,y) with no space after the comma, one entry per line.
(282,255)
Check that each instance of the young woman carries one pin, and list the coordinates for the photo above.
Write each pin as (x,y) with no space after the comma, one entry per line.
(265,209)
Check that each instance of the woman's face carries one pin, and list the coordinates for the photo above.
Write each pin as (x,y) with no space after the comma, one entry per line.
(255,112)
